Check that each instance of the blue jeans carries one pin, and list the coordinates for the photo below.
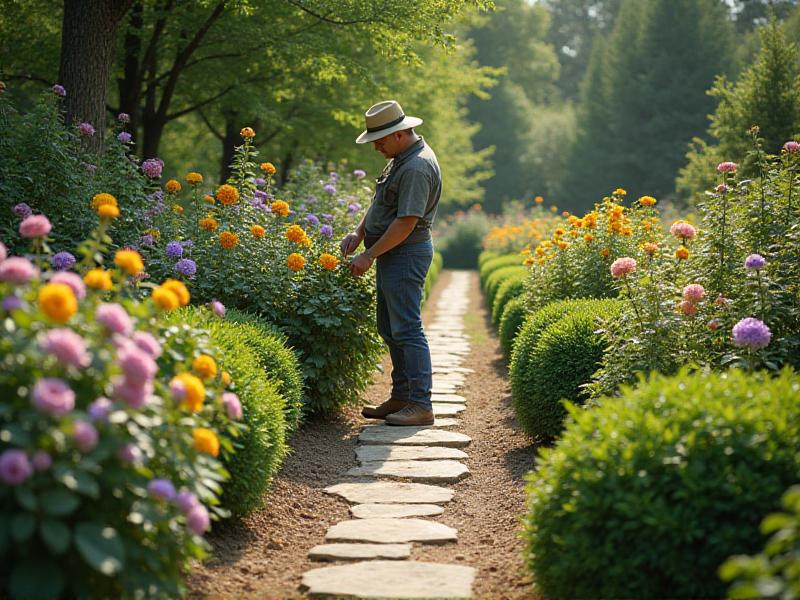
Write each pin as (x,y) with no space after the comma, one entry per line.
(400,277)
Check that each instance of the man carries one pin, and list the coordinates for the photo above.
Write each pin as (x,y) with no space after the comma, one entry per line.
(396,232)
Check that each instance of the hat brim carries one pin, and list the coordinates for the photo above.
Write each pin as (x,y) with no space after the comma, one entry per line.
(371,136)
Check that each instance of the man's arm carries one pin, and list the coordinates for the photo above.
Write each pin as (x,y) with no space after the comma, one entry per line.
(398,231)
(351,241)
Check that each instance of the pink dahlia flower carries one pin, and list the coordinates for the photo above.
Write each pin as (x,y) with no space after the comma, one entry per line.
(14,467)
(623,266)
(694,292)
(727,167)
(197,520)
(17,270)
(53,396)
(682,229)
(67,346)
(791,146)
(114,317)
(35,226)
(133,393)
(85,436)
(136,364)
(73,280)
(232,405)
(148,343)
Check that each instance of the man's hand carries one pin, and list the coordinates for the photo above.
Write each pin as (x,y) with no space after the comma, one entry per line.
(360,265)
(349,243)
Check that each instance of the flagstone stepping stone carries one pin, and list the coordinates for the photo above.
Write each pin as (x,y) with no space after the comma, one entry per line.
(445,422)
(360,551)
(447,410)
(381,435)
(391,492)
(426,471)
(447,398)
(440,389)
(366,454)
(394,511)
(390,579)
(391,531)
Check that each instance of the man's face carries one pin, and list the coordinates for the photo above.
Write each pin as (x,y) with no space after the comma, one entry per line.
(389,145)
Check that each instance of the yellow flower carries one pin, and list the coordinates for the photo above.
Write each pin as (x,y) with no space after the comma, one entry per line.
(194,391)
(539,251)
(605,252)
(247,132)
(573,233)
(538,199)
(206,441)
(588,237)
(268,168)
(682,253)
(647,201)
(129,261)
(177,208)
(154,232)
(179,289)
(227,194)
(228,239)
(553,209)
(620,192)
(205,366)
(627,231)
(559,232)
(194,178)
(328,261)
(562,245)
(57,301)
(164,298)
(173,186)
(107,211)
(226,378)
(98,279)
(281,208)
(103,199)
(650,248)
(296,261)
(208,223)
(257,231)
(528,261)
(209,198)
(295,234)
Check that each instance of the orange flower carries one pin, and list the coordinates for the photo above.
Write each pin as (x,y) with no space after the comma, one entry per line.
(173,186)
(257,231)
(588,237)
(682,253)
(98,279)
(268,168)
(647,201)
(194,391)
(247,132)
(177,209)
(620,192)
(103,199)
(528,261)
(538,199)
(57,301)
(209,198)
(562,245)
(208,223)
(108,211)
(227,194)
(129,261)
(205,366)
(226,378)
(328,261)
(650,248)
(179,289)
(281,208)
(605,252)
(165,299)
(295,261)
(206,441)
(228,240)
(295,234)
(194,178)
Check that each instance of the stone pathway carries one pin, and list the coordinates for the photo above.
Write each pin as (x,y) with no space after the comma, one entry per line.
(385,492)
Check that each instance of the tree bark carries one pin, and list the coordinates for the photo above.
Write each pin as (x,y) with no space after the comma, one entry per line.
(88,38)
(229,141)
(130,84)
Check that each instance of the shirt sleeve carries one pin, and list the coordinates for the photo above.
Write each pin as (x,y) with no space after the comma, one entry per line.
(414,189)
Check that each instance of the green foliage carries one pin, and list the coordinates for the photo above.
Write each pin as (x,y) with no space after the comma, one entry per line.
(561,360)
(775,571)
(508,290)
(484,256)
(514,314)
(459,239)
(497,262)
(498,277)
(646,495)
(433,274)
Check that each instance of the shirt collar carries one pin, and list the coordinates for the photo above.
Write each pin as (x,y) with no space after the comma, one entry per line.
(413,148)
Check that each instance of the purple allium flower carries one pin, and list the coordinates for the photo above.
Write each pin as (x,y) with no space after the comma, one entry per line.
(326,230)
(12,303)
(124,117)
(341,201)
(67,346)
(755,261)
(232,405)
(41,461)
(186,501)
(148,343)
(260,195)
(124,137)
(147,240)
(114,317)
(17,270)
(85,436)
(59,90)
(751,333)
(174,250)
(161,488)
(62,261)
(35,226)
(136,364)
(53,396)
(329,188)
(197,520)
(353,208)
(22,210)
(14,467)
(91,169)
(132,393)
(312,219)
(99,409)
(328,217)
(186,266)
(129,453)
(260,181)
(187,243)
(86,129)
(152,167)
(791,146)
(334,176)
(359,173)
(73,280)
(218,308)
(727,167)
(312,199)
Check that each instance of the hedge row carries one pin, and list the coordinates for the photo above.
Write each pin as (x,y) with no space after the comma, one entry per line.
(433,274)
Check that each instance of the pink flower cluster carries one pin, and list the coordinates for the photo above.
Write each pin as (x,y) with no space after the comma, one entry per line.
(684,230)
(692,294)
(791,146)
(67,346)
(623,266)
(197,519)
(35,226)
(727,167)
(137,360)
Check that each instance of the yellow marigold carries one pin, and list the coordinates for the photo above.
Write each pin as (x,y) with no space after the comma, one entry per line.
(129,261)
(620,192)
(295,234)
(258,231)
(165,298)
(328,261)
(296,261)
(572,219)
(554,209)
(177,209)
(559,232)
(205,366)
(616,227)
(605,252)
(247,132)
(108,211)
(57,301)
(565,213)
(173,186)
(194,391)
(209,198)
(538,199)
(226,378)
(179,289)
(281,208)
(682,253)
(98,279)
(579,223)
(208,223)
(227,194)
(268,168)
(547,244)
(647,201)
(206,441)
(627,231)
(228,240)
(539,251)
(588,237)
(154,232)
(562,245)
(650,248)
(194,178)
(102,199)
(573,233)
(528,261)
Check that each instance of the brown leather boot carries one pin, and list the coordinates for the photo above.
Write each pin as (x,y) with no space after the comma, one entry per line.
(412,414)
(379,412)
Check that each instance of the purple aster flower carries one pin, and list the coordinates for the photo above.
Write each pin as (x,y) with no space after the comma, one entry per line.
(197,520)
(302,206)
(161,488)
(100,409)
(326,230)
(327,217)
(186,501)
(156,197)
(12,303)
(41,461)
(341,201)
(353,208)
(257,203)
(187,243)
(22,210)
(755,261)
(152,167)
(62,261)
(91,169)
(14,467)
(124,117)
(312,199)
(312,219)
(329,188)
(751,333)
(146,240)
(59,90)
(260,181)
(85,436)
(174,250)
(86,129)
(186,266)
(359,173)
(124,137)
(260,195)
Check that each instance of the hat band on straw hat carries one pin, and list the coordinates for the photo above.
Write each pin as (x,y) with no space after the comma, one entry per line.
(396,121)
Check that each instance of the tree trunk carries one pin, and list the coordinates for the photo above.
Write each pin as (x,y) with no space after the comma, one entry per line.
(130,84)
(88,37)
(229,142)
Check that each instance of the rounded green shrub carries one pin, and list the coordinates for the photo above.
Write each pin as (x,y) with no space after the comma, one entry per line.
(510,288)
(486,255)
(646,495)
(433,274)
(460,243)
(511,322)
(498,262)
(496,279)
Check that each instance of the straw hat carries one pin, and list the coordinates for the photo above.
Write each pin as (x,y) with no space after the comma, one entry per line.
(384,118)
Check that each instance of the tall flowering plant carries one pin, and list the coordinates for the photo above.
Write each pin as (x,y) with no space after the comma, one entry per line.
(111,428)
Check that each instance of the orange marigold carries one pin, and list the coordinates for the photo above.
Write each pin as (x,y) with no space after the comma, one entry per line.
(208,223)
(588,237)
(647,201)
(295,261)
(103,199)
(177,209)
(538,199)
(206,441)
(295,234)
(620,192)
(650,248)
(228,240)
(129,261)
(108,211)
(98,279)
(682,253)
(268,168)
(57,301)
(605,252)
(205,366)
(227,194)
(258,231)
(281,208)
(194,178)
(164,298)
(209,198)
(173,186)
(328,261)
(179,289)
(247,132)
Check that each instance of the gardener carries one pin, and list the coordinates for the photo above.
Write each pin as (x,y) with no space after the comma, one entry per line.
(396,232)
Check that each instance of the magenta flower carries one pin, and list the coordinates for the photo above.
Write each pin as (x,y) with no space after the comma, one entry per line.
(53,396)
(14,467)
(85,436)
(186,501)
(86,129)
(755,261)
(132,393)
(218,308)
(67,346)
(751,333)
(3,252)
(73,280)
(35,226)
(136,364)
(152,167)
(17,270)
(41,461)
(694,292)
(623,266)
(124,117)
(124,137)
(791,146)
(114,317)
(100,409)
(682,229)
(129,453)
(148,343)
(232,405)
(359,174)
(197,520)
(59,91)
(161,488)
(727,167)
(688,308)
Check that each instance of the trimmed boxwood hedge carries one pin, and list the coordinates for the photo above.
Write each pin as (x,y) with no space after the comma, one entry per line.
(510,288)
(486,255)
(646,495)
(498,262)
(433,274)
(514,314)
(496,279)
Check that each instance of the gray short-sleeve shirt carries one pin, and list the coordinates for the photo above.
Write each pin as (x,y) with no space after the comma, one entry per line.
(410,185)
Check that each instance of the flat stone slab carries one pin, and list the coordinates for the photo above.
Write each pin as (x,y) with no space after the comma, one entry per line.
(443,389)
(366,454)
(444,422)
(428,471)
(447,410)
(391,492)
(391,531)
(446,370)
(394,511)
(390,579)
(447,398)
(360,551)
(382,435)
